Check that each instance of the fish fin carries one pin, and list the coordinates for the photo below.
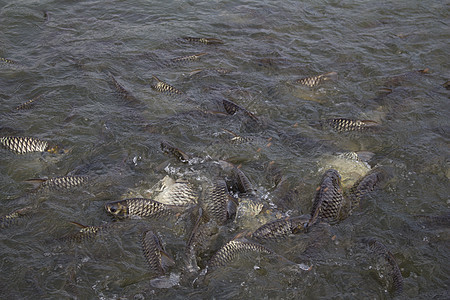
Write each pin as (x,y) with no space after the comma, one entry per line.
(78,224)
(330,76)
(156,78)
(36,182)
(166,260)
(369,122)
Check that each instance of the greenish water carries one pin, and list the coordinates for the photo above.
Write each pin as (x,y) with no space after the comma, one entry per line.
(67,53)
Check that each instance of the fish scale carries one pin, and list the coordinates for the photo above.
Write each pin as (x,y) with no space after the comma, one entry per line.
(232,249)
(316,80)
(21,145)
(364,186)
(28,104)
(163,87)
(63,182)
(329,198)
(141,207)
(86,233)
(207,41)
(13,217)
(280,229)
(216,202)
(181,193)
(167,147)
(154,253)
(342,124)
(187,58)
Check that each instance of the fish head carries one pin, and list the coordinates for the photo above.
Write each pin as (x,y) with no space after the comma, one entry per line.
(117,208)
(300,223)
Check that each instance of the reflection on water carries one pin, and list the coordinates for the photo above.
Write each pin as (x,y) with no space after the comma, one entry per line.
(85,72)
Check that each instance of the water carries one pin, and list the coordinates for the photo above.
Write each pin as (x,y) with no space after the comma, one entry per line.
(67,53)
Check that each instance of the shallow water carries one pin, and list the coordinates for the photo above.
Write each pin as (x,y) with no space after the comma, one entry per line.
(66,51)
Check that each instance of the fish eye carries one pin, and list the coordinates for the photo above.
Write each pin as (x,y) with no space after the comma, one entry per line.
(112,209)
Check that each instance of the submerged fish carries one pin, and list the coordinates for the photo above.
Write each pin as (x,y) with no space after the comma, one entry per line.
(237,139)
(8,61)
(381,250)
(221,71)
(138,207)
(232,249)
(280,229)
(207,41)
(240,182)
(156,256)
(57,183)
(364,186)
(28,104)
(86,233)
(168,148)
(342,124)
(316,80)
(231,108)
(163,87)
(13,217)
(21,145)
(126,95)
(187,58)
(219,204)
(328,200)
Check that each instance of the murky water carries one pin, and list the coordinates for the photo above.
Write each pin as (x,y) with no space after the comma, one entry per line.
(66,51)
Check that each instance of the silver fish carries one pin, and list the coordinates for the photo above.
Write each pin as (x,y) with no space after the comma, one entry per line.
(207,41)
(168,148)
(180,193)
(138,207)
(187,58)
(364,186)
(316,80)
(21,145)
(163,87)
(156,256)
(219,204)
(329,197)
(342,124)
(8,61)
(13,217)
(29,104)
(86,233)
(59,183)
(280,229)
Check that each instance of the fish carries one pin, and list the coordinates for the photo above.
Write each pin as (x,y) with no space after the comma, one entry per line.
(156,256)
(446,85)
(12,218)
(280,229)
(179,193)
(231,108)
(140,207)
(380,249)
(163,87)
(21,145)
(364,186)
(219,204)
(59,183)
(328,199)
(342,124)
(237,139)
(232,249)
(430,221)
(240,182)
(221,71)
(28,104)
(126,95)
(8,61)
(316,80)
(168,148)
(187,58)
(207,41)
(86,233)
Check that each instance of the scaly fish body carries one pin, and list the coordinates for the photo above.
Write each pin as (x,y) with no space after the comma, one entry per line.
(343,124)
(8,61)
(21,145)
(180,193)
(168,148)
(232,249)
(219,204)
(207,41)
(381,250)
(240,182)
(86,233)
(157,258)
(328,200)
(138,207)
(59,183)
(316,80)
(280,229)
(187,58)
(163,87)
(122,91)
(28,104)
(231,108)
(13,217)
(364,186)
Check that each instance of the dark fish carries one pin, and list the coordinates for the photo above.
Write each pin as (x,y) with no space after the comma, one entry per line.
(20,144)
(446,84)
(168,148)
(232,249)
(138,207)
(237,139)
(240,183)
(12,218)
(163,87)
(207,41)
(381,250)
(280,229)
(59,183)
(86,233)
(219,204)
(364,186)
(231,108)
(316,80)
(342,124)
(126,95)
(328,200)
(442,220)
(221,71)
(29,104)
(157,258)
(8,61)
(187,58)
